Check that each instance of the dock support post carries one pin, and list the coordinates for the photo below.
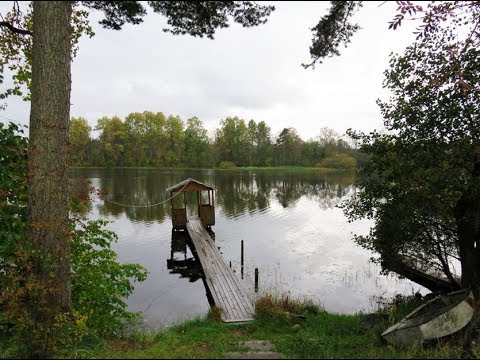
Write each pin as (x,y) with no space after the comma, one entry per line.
(241,258)
(256,280)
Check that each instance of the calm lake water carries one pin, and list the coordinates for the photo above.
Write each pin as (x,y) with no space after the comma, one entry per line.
(292,229)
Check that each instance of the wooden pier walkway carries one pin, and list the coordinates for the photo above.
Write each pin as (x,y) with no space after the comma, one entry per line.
(224,286)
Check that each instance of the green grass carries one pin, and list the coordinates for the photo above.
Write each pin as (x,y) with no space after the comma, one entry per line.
(315,334)
(290,168)
(319,336)
(298,329)
(246,168)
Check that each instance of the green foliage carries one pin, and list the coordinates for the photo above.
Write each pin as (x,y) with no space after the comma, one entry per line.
(112,138)
(226,165)
(16,47)
(333,30)
(288,147)
(319,336)
(263,143)
(175,140)
(396,308)
(284,309)
(339,161)
(100,284)
(196,19)
(21,286)
(155,140)
(196,144)
(79,140)
(13,189)
(421,180)
(232,140)
(14,263)
(204,17)
(145,138)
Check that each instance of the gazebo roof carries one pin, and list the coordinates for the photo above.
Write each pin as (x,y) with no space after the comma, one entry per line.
(189,185)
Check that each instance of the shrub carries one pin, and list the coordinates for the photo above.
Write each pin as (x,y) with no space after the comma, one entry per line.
(226,165)
(339,161)
(215,314)
(269,307)
(99,282)
(399,306)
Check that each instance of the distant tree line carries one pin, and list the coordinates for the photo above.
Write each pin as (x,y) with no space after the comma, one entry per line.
(153,139)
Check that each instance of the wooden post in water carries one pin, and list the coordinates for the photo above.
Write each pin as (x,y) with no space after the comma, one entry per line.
(241,258)
(185,204)
(256,279)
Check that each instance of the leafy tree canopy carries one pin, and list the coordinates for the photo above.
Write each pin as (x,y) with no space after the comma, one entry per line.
(333,30)
(421,182)
(336,28)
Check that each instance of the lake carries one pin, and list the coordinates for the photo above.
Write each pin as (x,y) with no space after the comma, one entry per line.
(292,230)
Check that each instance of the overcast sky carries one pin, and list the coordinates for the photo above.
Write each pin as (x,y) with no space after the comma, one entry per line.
(253,73)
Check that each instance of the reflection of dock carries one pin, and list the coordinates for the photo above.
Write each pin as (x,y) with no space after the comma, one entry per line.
(185,267)
(225,288)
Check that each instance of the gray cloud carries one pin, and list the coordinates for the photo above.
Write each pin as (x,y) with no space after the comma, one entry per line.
(251,73)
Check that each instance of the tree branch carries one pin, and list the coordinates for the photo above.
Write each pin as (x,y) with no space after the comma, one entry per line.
(430,282)
(14,29)
(446,268)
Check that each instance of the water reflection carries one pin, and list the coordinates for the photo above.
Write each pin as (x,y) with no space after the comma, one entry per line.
(179,262)
(296,240)
(237,193)
(137,190)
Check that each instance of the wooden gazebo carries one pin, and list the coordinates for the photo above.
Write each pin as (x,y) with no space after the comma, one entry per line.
(206,211)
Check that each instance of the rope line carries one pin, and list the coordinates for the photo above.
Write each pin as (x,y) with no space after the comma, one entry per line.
(150,205)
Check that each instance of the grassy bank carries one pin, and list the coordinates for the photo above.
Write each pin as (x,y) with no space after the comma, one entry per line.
(297,329)
(291,168)
(246,168)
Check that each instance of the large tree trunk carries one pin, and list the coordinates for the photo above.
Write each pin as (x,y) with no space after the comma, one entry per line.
(47,158)
(467,216)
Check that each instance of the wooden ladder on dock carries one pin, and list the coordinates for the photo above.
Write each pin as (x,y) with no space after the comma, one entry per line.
(224,286)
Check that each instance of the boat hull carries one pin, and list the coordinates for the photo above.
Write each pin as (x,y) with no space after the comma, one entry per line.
(432,321)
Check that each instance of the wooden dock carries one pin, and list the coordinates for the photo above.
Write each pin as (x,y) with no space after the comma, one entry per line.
(224,286)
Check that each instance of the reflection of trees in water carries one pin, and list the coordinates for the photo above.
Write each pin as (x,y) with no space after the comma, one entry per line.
(250,192)
(327,189)
(288,191)
(140,189)
(329,195)
(237,192)
(144,187)
(242,193)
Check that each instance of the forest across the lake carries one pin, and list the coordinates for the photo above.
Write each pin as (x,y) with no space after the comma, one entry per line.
(154,139)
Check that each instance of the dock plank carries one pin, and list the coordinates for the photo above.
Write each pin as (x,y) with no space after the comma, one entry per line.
(226,290)
(218,278)
(228,283)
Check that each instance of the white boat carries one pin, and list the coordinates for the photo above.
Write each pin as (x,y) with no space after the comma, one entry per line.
(441,316)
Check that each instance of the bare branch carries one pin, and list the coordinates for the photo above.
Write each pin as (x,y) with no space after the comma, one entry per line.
(14,29)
